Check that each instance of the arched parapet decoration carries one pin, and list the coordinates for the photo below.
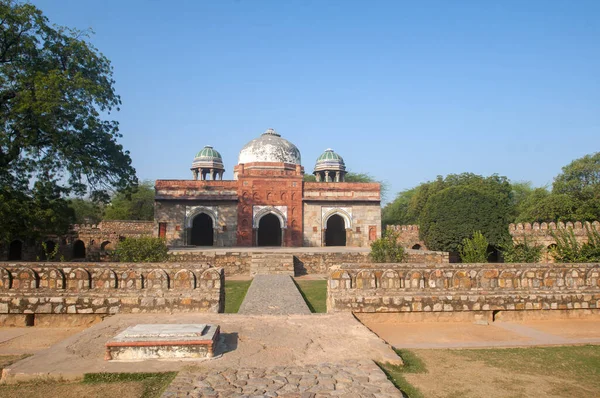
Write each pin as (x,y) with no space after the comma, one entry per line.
(414,280)
(464,279)
(340,280)
(52,278)
(184,279)
(574,278)
(509,279)
(104,278)
(532,279)
(5,279)
(340,212)
(269,210)
(390,279)
(488,278)
(211,279)
(78,279)
(593,278)
(439,279)
(156,279)
(196,211)
(25,279)
(131,280)
(365,279)
(554,278)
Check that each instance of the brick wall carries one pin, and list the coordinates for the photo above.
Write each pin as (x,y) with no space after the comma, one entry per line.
(109,288)
(462,287)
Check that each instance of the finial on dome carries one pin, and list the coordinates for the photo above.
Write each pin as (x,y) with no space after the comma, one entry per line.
(271,132)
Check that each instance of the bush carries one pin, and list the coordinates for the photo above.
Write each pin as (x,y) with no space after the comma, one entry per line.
(141,250)
(387,249)
(522,252)
(475,249)
(569,250)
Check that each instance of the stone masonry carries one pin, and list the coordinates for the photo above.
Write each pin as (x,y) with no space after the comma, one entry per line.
(462,287)
(109,288)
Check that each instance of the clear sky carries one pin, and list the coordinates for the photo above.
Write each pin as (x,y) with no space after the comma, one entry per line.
(403,90)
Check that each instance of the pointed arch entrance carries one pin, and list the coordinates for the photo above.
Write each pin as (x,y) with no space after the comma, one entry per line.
(15,250)
(269,231)
(335,234)
(78,249)
(203,232)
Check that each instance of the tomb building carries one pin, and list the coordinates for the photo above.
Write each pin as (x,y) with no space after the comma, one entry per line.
(267,203)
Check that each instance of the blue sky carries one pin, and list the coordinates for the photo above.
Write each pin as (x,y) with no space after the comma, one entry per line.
(402,90)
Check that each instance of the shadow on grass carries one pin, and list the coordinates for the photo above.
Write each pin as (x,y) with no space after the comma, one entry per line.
(395,373)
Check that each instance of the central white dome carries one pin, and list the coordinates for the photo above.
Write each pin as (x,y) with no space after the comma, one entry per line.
(269,147)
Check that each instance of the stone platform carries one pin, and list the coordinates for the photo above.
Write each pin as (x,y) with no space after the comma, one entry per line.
(163,341)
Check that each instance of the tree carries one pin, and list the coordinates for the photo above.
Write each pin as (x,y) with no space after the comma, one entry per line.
(55,89)
(543,206)
(136,205)
(455,213)
(475,249)
(580,181)
(397,211)
(86,211)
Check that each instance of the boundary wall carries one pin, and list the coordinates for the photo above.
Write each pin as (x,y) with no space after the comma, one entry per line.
(462,287)
(109,288)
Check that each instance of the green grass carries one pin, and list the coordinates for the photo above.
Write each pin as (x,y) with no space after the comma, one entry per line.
(314,293)
(395,373)
(235,291)
(579,363)
(154,383)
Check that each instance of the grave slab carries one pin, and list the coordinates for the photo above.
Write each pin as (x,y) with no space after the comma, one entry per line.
(163,341)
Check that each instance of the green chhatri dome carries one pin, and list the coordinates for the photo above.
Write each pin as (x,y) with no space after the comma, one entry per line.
(208,153)
(330,156)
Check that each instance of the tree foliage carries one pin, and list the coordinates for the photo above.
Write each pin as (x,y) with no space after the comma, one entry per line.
(136,205)
(55,89)
(475,249)
(86,211)
(455,213)
(523,251)
(569,250)
(144,249)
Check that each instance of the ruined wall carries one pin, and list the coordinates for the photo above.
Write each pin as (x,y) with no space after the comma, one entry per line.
(233,263)
(109,288)
(462,287)
(408,235)
(541,233)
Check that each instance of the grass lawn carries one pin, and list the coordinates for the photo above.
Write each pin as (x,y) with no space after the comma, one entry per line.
(235,291)
(144,385)
(566,371)
(314,293)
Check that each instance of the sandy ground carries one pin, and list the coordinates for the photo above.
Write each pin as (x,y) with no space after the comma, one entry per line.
(473,335)
(16,341)
(248,341)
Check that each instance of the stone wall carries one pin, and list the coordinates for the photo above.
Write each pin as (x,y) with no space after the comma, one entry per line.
(462,287)
(233,263)
(109,288)
(408,235)
(179,215)
(541,233)
(363,222)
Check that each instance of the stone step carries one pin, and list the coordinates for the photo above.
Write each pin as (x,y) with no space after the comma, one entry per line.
(267,263)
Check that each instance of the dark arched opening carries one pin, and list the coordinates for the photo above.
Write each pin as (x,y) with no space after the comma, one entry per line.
(202,230)
(78,249)
(106,246)
(335,234)
(269,231)
(48,250)
(494,255)
(416,247)
(15,250)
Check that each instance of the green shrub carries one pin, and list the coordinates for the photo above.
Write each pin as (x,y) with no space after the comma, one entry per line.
(475,249)
(522,252)
(569,250)
(387,249)
(145,249)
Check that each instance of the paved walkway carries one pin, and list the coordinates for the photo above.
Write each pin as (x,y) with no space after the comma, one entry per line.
(273,295)
(348,379)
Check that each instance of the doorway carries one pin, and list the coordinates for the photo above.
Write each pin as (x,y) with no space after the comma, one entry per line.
(202,231)
(335,234)
(269,231)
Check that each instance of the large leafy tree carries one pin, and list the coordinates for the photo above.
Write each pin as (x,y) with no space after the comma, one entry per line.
(56,92)
(136,205)
(457,212)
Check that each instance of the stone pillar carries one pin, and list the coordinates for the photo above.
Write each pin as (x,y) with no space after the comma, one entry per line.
(326,176)
(318,176)
(195,173)
(212,174)
(337,176)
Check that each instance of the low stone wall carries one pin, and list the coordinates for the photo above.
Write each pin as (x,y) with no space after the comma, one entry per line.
(234,263)
(462,287)
(109,288)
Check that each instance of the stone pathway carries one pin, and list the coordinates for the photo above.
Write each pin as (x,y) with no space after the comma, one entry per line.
(348,379)
(273,295)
